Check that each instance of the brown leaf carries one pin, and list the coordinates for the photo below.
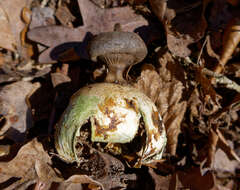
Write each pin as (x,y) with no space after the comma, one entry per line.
(212,145)
(15,111)
(223,164)
(59,78)
(95,20)
(109,173)
(76,181)
(184,24)
(207,87)
(224,145)
(210,50)
(64,15)
(193,179)
(231,39)
(161,182)
(4,150)
(166,91)
(42,17)
(12,25)
(7,40)
(31,163)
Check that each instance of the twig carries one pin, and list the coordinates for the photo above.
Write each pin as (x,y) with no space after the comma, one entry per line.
(219,78)
(200,53)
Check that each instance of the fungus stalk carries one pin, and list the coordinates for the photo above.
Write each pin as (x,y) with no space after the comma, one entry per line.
(116,66)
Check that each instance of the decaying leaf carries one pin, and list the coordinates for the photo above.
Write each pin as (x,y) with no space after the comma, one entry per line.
(193,179)
(184,24)
(41,17)
(4,150)
(7,39)
(207,88)
(220,156)
(95,20)
(11,23)
(224,145)
(30,164)
(14,110)
(231,39)
(223,164)
(76,181)
(166,91)
(161,182)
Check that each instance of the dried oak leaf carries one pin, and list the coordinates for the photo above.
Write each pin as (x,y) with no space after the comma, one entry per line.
(76,181)
(209,93)
(184,23)
(193,179)
(166,91)
(95,20)
(11,23)
(161,182)
(221,160)
(31,163)
(223,164)
(106,169)
(231,39)
(15,111)
(41,17)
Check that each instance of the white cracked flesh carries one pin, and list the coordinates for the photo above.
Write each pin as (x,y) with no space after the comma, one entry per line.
(125,126)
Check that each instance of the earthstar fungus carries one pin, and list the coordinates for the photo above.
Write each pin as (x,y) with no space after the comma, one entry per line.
(114,118)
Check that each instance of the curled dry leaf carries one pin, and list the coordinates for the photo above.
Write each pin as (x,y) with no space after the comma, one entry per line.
(161,182)
(209,93)
(184,23)
(76,181)
(193,179)
(166,91)
(224,145)
(102,169)
(231,39)
(223,164)
(221,160)
(7,39)
(15,112)
(41,17)
(11,24)
(95,20)
(30,164)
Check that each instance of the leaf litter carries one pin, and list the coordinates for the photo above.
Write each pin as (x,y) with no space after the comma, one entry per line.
(201,121)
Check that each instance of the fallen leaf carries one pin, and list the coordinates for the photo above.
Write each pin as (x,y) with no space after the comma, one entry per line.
(41,17)
(7,40)
(224,145)
(193,179)
(231,39)
(59,78)
(210,50)
(65,16)
(184,24)
(11,23)
(15,111)
(76,181)
(95,20)
(223,164)
(161,182)
(4,150)
(31,163)
(166,91)
(207,88)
